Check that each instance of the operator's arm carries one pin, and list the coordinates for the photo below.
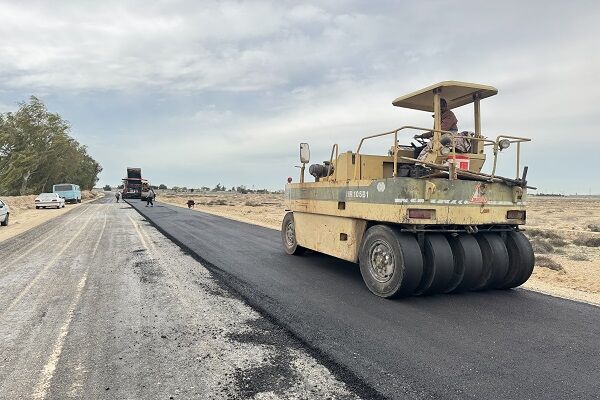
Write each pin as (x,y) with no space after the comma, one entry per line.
(425,135)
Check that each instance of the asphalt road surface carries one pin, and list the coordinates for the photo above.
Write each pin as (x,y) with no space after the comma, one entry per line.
(97,304)
(512,344)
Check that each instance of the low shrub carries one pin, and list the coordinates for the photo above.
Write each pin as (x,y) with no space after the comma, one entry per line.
(541,246)
(579,257)
(594,228)
(558,242)
(541,234)
(587,241)
(547,262)
(218,202)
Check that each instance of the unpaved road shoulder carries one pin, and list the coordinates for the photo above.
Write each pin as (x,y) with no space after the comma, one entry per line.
(24,216)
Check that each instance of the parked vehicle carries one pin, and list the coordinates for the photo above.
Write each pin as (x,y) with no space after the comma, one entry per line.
(68,191)
(49,200)
(4,213)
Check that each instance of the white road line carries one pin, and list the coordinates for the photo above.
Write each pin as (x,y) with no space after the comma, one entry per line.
(49,236)
(43,384)
(46,267)
(99,237)
(139,233)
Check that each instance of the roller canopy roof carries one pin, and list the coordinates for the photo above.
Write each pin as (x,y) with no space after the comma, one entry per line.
(455,93)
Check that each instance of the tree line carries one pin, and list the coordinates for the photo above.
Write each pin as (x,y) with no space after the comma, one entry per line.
(36,152)
(218,188)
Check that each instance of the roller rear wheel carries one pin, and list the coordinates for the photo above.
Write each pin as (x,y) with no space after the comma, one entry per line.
(495,260)
(521,260)
(288,236)
(467,263)
(438,264)
(391,263)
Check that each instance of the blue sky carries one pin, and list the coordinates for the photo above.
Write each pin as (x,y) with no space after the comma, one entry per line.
(200,93)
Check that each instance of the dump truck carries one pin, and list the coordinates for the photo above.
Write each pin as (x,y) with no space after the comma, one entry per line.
(132,184)
(422,218)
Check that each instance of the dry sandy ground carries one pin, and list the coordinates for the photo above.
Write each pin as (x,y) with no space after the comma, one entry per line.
(24,216)
(561,229)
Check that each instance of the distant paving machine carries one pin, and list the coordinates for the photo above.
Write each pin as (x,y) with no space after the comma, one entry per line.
(422,219)
(132,185)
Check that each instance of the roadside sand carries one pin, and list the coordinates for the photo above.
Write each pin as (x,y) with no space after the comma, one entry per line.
(558,228)
(265,210)
(24,216)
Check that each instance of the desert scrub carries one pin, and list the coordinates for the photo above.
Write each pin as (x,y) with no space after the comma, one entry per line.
(541,246)
(219,202)
(538,233)
(587,241)
(558,242)
(578,257)
(594,228)
(547,262)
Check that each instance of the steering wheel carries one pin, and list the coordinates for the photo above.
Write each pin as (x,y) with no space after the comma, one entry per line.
(419,140)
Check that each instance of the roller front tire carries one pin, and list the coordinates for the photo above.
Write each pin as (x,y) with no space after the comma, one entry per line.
(288,236)
(391,263)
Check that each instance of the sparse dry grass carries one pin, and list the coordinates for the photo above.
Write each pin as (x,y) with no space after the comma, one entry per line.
(587,241)
(260,209)
(594,228)
(578,257)
(547,262)
(566,225)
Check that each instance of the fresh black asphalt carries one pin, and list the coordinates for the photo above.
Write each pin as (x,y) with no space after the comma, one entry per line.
(512,344)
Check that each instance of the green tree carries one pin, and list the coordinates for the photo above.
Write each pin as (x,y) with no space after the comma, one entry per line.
(162,186)
(36,152)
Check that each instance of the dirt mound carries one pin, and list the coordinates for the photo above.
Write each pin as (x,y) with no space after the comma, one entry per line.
(18,204)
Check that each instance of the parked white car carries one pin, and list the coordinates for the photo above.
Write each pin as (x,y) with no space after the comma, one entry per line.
(4,213)
(49,200)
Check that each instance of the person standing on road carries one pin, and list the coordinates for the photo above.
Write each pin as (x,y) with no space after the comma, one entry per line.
(118,196)
(150,197)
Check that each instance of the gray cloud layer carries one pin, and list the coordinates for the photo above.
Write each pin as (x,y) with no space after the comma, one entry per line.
(201,92)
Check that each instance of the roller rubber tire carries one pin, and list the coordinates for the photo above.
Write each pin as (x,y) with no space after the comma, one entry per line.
(467,263)
(438,264)
(521,260)
(406,259)
(495,260)
(5,222)
(290,245)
